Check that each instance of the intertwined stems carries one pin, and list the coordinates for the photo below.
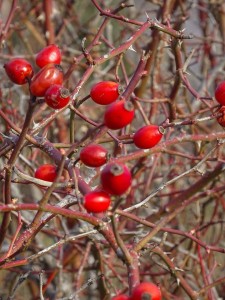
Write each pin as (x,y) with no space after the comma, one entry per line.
(10,164)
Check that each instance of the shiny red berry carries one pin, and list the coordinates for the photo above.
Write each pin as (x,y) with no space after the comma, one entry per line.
(93,155)
(47,76)
(105,92)
(221,119)
(48,55)
(46,172)
(97,201)
(57,96)
(121,297)
(220,93)
(116,178)
(19,70)
(148,136)
(146,290)
(119,114)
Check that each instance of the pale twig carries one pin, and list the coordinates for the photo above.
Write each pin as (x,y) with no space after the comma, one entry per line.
(60,243)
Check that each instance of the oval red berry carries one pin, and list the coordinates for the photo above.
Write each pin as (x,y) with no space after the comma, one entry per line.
(119,115)
(93,155)
(19,70)
(97,201)
(220,93)
(48,55)
(57,96)
(47,76)
(146,288)
(116,178)
(105,92)
(221,119)
(46,172)
(148,136)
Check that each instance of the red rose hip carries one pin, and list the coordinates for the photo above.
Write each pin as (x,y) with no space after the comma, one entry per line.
(48,55)
(19,70)
(146,290)
(47,76)
(105,92)
(148,136)
(57,96)
(93,155)
(119,115)
(221,119)
(116,178)
(97,201)
(46,172)
(220,93)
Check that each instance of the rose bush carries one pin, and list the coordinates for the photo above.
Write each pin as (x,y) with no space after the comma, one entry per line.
(162,223)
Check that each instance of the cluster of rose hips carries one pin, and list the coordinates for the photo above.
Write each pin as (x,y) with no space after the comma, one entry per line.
(47,82)
(145,290)
(115,177)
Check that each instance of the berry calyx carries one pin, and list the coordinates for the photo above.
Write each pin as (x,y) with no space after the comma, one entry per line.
(105,92)
(47,76)
(97,201)
(46,172)
(19,70)
(57,96)
(48,55)
(220,93)
(146,291)
(148,136)
(93,155)
(116,178)
(119,115)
